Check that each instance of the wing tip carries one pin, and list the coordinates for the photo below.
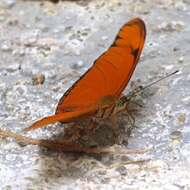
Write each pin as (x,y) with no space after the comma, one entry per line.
(140,22)
(30,128)
(36,125)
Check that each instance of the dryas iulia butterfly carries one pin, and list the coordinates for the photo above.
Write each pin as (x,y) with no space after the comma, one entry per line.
(101,86)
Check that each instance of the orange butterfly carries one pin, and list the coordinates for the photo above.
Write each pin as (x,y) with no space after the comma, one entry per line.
(101,86)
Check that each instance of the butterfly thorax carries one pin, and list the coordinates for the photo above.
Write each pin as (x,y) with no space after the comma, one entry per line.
(110,105)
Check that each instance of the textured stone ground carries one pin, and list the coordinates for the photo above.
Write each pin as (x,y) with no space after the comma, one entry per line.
(60,41)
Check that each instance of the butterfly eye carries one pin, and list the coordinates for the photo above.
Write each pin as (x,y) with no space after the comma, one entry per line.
(120,103)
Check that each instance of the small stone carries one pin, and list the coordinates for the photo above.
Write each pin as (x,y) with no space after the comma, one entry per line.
(122,170)
(180,59)
(10,3)
(21,52)
(68,29)
(78,65)
(186,100)
(175,135)
(30,42)
(104,38)
(2,18)
(124,158)
(181,118)
(38,79)
(175,49)
(6,46)
(8,187)
(180,5)
(13,68)
(140,7)
(171,26)
(13,22)
(19,89)
(10,157)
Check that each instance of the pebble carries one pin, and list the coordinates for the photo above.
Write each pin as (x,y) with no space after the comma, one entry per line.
(13,67)
(171,26)
(122,170)
(176,49)
(11,157)
(79,64)
(19,90)
(140,7)
(104,38)
(6,46)
(20,52)
(181,118)
(180,5)
(38,79)
(13,22)
(180,59)
(30,41)
(2,18)
(175,135)
(9,3)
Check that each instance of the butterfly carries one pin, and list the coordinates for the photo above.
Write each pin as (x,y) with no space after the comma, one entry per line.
(98,92)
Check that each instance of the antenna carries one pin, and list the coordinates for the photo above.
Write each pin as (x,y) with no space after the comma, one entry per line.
(137,90)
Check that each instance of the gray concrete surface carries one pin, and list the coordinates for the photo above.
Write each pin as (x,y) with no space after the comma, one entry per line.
(60,41)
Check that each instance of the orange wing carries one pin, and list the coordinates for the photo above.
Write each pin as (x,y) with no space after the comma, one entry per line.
(108,76)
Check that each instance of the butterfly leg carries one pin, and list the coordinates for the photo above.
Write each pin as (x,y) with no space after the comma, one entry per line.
(81,128)
(73,132)
(95,124)
(115,128)
(74,137)
(135,103)
(130,118)
(126,101)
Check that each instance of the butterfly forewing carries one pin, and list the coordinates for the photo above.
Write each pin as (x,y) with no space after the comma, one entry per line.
(111,71)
